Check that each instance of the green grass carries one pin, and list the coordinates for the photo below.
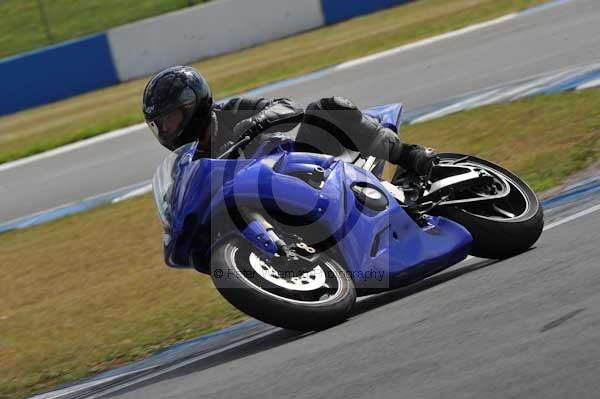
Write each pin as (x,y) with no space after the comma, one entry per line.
(89,292)
(23,26)
(52,125)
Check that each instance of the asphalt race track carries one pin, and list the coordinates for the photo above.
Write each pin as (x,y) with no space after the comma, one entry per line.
(525,327)
(533,43)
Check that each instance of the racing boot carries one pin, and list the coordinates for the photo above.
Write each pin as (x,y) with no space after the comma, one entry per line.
(413,159)
(417,159)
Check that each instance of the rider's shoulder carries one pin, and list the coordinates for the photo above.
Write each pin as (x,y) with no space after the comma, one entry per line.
(242,103)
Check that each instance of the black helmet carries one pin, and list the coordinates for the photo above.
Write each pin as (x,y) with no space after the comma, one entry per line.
(177,106)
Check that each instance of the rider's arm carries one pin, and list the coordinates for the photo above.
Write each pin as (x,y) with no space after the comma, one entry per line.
(280,114)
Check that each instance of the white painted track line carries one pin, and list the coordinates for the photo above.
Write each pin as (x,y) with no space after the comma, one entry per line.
(71,147)
(577,215)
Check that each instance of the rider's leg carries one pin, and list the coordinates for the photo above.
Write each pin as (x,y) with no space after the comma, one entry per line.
(335,122)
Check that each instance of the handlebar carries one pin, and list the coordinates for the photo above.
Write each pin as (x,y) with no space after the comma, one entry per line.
(235,146)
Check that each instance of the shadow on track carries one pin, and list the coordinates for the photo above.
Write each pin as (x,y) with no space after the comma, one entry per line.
(384,298)
(280,337)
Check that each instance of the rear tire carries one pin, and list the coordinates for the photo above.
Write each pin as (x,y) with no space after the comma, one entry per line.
(261,298)
(497,237)
(496,240)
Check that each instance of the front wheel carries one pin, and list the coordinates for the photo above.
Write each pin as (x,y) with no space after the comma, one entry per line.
(313,294)
(500,227)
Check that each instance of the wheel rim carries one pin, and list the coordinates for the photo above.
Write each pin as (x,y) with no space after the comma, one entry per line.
(307,281)
(510,208)
(322,283)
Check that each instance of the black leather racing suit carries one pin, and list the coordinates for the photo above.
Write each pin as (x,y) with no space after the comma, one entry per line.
(328,125)
(234,117)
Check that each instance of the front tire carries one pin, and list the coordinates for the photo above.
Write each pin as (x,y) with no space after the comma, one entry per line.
(312,300)
(500,228)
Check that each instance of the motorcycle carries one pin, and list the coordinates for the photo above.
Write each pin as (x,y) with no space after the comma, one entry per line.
(292,238)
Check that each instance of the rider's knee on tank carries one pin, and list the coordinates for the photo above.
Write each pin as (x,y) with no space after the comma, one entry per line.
(333,124)
(336,108)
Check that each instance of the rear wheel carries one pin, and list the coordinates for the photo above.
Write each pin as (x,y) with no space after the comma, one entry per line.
(311,294)
(501,227)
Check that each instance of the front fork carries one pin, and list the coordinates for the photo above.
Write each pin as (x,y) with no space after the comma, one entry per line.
(262,234)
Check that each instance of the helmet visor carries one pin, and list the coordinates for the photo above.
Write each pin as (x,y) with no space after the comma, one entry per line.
(169,126)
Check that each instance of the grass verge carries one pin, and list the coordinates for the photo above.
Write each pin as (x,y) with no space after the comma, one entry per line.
(23,26)
(39,129)
(88,292)
(543,138)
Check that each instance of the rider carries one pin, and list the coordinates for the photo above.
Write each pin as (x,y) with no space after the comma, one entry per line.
(178,107)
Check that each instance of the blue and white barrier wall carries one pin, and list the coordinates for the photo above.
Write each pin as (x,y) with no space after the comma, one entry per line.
(146,46)
(214,28)
(56,72)
(339,10)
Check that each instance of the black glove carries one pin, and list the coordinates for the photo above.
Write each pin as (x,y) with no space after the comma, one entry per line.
(250,127)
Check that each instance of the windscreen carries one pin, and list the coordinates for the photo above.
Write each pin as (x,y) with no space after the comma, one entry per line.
(164,180)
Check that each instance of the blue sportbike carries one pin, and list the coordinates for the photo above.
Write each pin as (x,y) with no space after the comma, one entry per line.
(292,238)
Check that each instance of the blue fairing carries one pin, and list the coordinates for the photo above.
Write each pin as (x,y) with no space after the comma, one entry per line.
(380,248)
(389,115)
